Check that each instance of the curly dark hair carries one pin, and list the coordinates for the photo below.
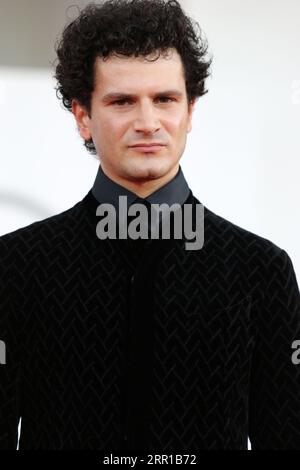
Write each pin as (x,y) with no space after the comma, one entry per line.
(127,27)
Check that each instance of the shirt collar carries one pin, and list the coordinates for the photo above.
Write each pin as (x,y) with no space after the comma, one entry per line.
(105,190)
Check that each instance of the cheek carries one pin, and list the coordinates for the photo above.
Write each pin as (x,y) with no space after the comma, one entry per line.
(117,126)
(178,127)
(108,129)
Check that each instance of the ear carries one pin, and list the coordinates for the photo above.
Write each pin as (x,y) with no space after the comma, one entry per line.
(191,107)
(82,119)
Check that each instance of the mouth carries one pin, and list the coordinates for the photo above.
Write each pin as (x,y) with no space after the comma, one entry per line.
(147,148)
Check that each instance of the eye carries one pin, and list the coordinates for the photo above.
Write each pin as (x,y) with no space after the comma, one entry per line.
(120,102)
(123,101)
(166,98)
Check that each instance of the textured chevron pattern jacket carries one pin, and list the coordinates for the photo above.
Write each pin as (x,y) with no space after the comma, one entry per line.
(144,345)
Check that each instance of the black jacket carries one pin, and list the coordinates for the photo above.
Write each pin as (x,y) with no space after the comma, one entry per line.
(108,347)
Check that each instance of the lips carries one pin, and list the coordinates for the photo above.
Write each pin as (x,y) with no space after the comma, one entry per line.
(147,147)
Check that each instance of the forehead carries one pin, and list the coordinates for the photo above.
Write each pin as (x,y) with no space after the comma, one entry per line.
(132,73)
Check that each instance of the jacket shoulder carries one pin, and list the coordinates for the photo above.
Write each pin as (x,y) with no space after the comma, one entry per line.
(49,228)
(228,235)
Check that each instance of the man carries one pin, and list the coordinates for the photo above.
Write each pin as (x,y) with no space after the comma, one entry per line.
(141,344)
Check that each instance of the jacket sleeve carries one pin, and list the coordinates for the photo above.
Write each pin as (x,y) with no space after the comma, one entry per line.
(9,356)
(274,401)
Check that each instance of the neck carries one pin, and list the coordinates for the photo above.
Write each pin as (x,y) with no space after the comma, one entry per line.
(141,187)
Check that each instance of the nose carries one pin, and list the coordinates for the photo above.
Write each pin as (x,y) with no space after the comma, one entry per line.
(146,119)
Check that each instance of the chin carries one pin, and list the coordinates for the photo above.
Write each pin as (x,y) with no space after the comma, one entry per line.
(153,168)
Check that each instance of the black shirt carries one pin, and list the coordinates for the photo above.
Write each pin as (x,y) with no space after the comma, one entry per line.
(105,190)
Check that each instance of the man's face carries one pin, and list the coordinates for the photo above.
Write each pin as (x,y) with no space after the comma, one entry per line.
(156,111)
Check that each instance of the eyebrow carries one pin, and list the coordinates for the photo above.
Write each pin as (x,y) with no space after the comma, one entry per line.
(117,95)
